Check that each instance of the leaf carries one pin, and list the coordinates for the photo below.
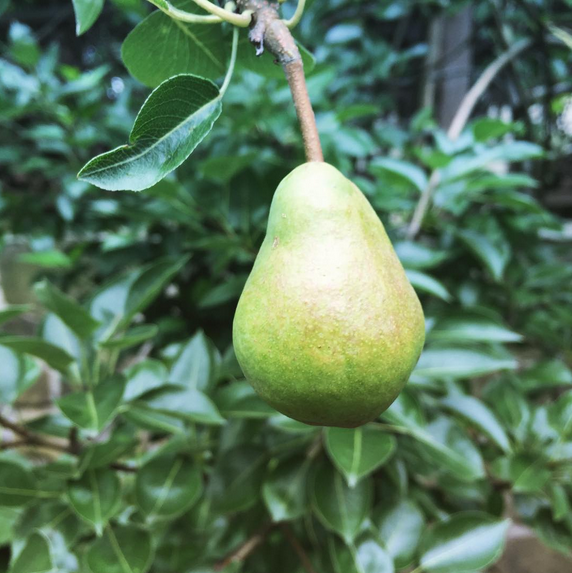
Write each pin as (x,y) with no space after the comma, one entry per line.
(400,528)
(561,34)
(358,452)
(17,485)
(52,355)
(236,479)
(370,557)
(167,486)
(94,409)
(149,419)
(17,374)
(461,328)
(239,400)
(13,311)
(86,14)
(466,542)
(461,363)
(493,257)
(414,174)
(284,490)
(479,415)
(425,283)
(338,507)
(35,556)
(132,337)
(122,549)
(546,374)
(200,50)
(95,496)
(195,364)
(419,257)
(47,259)
(143,377)
(176,117)
(68,310)
(103,454)
(184,403)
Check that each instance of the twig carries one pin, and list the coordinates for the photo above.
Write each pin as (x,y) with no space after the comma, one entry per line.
(272,33)
(218,14)
(457,125)
(295,20)
(246,549)
(17,429)
(304,559)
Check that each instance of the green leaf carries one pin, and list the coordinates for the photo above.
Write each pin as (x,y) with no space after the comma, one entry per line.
(149,419)
(13,311)
(184,403)
(132,337)
(492,256)
(468,541)
(94,409)
(195,364)
(370,557)
(479,415)
(17,485)
(239,400)
(284,490)
(17,374)
(419,257)
(68,310)
(528,474)
(86,14)
(35,556)
(105,453)
(236,479)
(358,452)
(546,374)
(461,363)
(415,175)
(143,377)
(167,486)
(95,496)
(339,507)
(461,328)
(176,117)
(122,549)
(200,50)
(8,518)
(47,259)
(400,528)
(425,283)
(50,354)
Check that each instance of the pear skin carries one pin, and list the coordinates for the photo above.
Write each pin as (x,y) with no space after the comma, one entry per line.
(328,327)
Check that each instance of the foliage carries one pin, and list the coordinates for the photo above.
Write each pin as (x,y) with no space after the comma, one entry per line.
(170,461)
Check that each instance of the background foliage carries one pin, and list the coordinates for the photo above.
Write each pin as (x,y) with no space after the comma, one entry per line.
(156,455)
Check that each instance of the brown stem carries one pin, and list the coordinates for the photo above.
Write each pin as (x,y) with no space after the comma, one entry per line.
(270,32)
(246,548)
(18,430)
(304,559)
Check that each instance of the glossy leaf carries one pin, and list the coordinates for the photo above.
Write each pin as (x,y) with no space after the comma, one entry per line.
(359,452)
(68,310)
(18,485)
(132,337)
(472,328)
(339,507)
(35,556)
(143,377)
(122,549)
(167,486)
(239,400)
(414,174)
(493,257)
(464,543)
(95,496)
(194,365)
(17,374)
(50,354)
(86,14)
(176,117)
(424,283)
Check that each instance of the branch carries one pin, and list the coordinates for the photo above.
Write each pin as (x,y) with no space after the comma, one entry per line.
(304,559)
(270,32)
(246,549)
(457,125)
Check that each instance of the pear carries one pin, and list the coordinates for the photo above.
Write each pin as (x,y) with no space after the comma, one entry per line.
(328,327)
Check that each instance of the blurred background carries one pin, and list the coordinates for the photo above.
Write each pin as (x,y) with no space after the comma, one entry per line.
(487,244)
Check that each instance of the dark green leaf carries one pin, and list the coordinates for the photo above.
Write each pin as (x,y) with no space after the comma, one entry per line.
(176,117)
(18,485)
(35,556)
(13,311)
(132,337)
(86,13)
(50,354)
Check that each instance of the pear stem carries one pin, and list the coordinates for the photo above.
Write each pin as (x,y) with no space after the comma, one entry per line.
(270,32)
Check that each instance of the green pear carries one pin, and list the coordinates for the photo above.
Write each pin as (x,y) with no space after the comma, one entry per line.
(328,327)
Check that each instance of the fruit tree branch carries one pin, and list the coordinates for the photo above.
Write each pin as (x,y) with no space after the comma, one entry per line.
(270,32)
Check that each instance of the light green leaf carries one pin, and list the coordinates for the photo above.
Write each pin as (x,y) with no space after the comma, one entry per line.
(149,419)
(466,542)
(95,496)
(479,415)
(143,377)
(400,528)
(419,257)
(176,117)
(339,507)
(358,452)
(122,549)
(181,48)
(414,174)
(94,409)
(469,328)
(86,14)
(167,486)
(35,556)
(425,283)
(17,374)
(239,400)
(50,354)
(73,315)
(194,366)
